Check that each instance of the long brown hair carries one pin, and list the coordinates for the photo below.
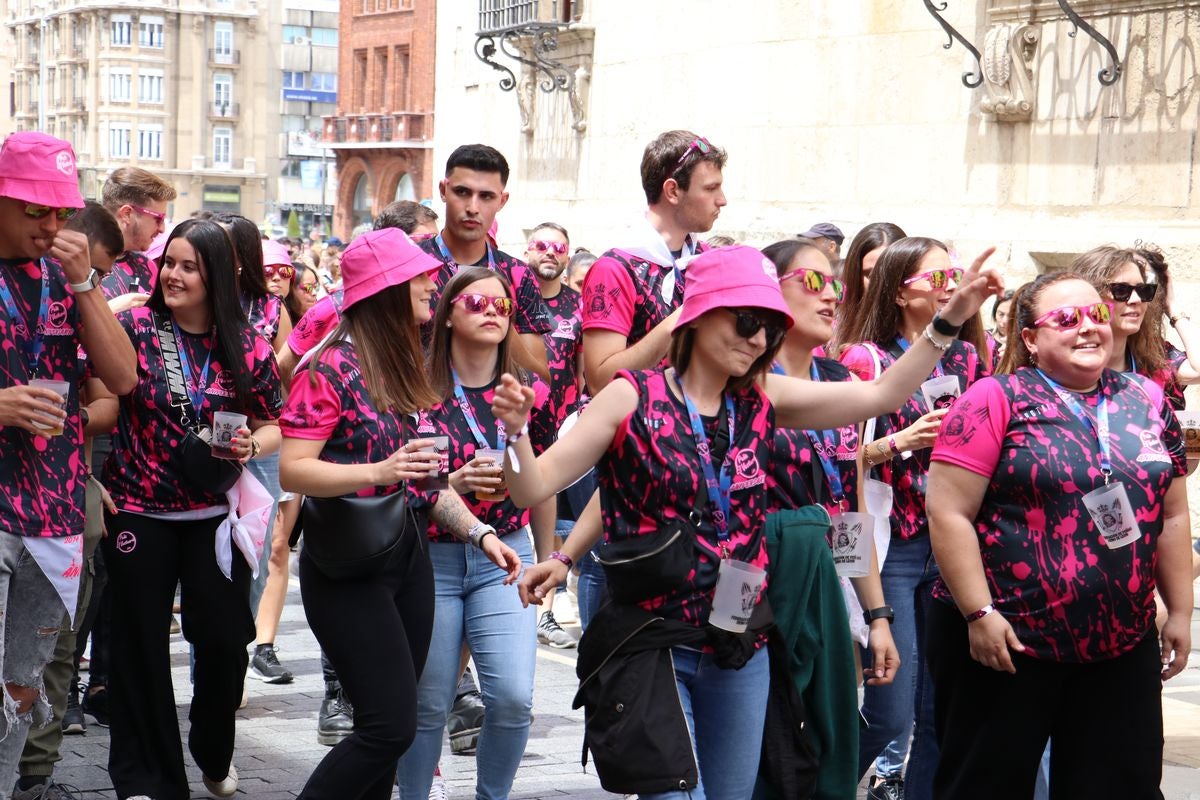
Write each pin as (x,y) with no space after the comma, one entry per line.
(1022,315)
(877,318)
(872,237)
(386,337)
(1098,267)
(683,340)
(440,377)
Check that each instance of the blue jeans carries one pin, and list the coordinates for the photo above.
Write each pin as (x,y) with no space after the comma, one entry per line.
(472,601)
(593,589)
(726,710)
(907,705)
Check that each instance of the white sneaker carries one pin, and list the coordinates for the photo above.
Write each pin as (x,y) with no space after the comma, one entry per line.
(566,608)
(224,788)
(438,790)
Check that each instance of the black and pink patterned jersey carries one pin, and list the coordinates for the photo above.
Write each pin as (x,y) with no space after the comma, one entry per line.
(796,469)
(625,294)
(532,316)
(906,476)
(317,323)
(447,419)
(264,313)
(564,347)
(651,475)
(142,473)
(1168,379)
(329,402)
(1067,595)
(132,272)
(41,480)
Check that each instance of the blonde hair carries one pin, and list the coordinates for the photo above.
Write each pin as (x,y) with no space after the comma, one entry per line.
(135,186)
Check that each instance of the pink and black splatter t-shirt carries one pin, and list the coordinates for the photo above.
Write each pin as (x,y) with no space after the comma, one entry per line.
(796,477)
(447,419)
(1067,595)
(564,346)
(531,316)
(329,402)
(41,480)
(317,323)
(651,475)
(132,272)
(906,476)
(142,473)
(264,313)
(625,294)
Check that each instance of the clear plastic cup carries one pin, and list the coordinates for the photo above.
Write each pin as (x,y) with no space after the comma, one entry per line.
(941,392)
(1190,422)
(501,491)
(738,585)
(852,539)
(441,481)
(225,427)
(63,390)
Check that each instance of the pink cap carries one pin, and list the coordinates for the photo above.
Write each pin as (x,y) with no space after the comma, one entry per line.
(379,259)
(275,254)
(731,277)
(37,168)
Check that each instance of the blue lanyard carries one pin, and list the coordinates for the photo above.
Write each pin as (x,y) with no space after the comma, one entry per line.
(33,355)
(1132,365)
(195,393)
(718,492)
(824,442)
(441,246)
(1099,428)
(937,369)
(473,422)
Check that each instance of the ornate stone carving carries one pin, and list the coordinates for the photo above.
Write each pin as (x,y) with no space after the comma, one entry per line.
(1008,58)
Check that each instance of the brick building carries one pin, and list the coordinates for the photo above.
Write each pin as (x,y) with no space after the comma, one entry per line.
(382,133)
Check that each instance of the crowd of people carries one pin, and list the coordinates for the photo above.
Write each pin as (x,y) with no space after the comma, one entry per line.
(773,478)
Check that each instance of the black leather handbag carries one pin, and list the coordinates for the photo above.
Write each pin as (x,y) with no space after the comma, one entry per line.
(355,537)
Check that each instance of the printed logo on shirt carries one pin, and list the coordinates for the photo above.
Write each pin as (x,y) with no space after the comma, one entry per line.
(566,329)
(56,321)
(1152,449)
(748,473)
(599,299)
(424,423)
(222,385)
(126,542)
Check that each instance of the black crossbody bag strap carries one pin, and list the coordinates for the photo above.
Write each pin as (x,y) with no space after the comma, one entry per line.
(168,347)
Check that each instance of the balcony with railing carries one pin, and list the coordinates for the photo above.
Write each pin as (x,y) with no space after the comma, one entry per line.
(392,129)
(225,111)
(224,58)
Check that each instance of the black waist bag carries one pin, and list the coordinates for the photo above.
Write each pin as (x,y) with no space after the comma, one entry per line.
(355,537)
(204,471)
(648,566)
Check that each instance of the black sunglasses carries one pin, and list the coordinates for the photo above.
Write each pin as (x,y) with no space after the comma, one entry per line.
(1121,292)
(748,323)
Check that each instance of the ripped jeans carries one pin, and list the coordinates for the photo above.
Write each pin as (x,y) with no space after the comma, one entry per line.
(31,613)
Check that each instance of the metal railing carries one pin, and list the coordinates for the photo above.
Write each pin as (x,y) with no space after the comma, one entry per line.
(225,57)
(391,127)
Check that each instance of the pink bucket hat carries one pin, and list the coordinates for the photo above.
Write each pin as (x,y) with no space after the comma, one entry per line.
(37,168)
(731,277)
(379,259)
(275,254)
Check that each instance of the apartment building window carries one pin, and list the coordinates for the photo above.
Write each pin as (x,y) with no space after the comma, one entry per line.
(402,79)
(223,147)
(325,36)
(150,142)
(120,83)
(324,81)
(223,41)
(118,139)
(382,77)
(293,34)
(360,79)
(293,80)
(150,86)
(222,90)
(150,32)
(122,30)
(290,169)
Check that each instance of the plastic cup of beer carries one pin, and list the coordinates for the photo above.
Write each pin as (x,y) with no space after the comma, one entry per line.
(63,390)
(500,492)
(441,481)
(225,428)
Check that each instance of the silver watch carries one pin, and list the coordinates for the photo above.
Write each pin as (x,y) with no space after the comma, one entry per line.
(87,284)
(477,532)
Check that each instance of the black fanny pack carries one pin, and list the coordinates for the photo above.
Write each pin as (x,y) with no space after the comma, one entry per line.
(355,537)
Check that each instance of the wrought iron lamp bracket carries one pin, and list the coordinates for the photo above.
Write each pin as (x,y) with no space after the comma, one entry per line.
(971,78)
(1109,75)
(531,45)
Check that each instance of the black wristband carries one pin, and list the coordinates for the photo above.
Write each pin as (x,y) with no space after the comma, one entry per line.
(84,417)
(945,327)
(883,612)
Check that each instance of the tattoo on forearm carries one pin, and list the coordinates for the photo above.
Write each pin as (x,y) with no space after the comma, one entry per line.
(451,514)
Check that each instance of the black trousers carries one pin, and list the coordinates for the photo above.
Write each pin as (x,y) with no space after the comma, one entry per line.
(1102,718)
(146,558)
(375,632)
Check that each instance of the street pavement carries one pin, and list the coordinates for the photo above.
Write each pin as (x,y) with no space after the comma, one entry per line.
(277,744)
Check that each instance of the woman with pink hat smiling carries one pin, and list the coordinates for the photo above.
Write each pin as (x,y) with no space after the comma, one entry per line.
(681,453)
(350,432)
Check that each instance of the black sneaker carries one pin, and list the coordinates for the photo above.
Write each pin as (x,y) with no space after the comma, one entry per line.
(73,721)
(266,667)
(335,721)
(96,704)
(464,723)
(886,789)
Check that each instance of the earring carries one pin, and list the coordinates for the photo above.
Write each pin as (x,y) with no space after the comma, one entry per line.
(448,325)
(1033,358)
